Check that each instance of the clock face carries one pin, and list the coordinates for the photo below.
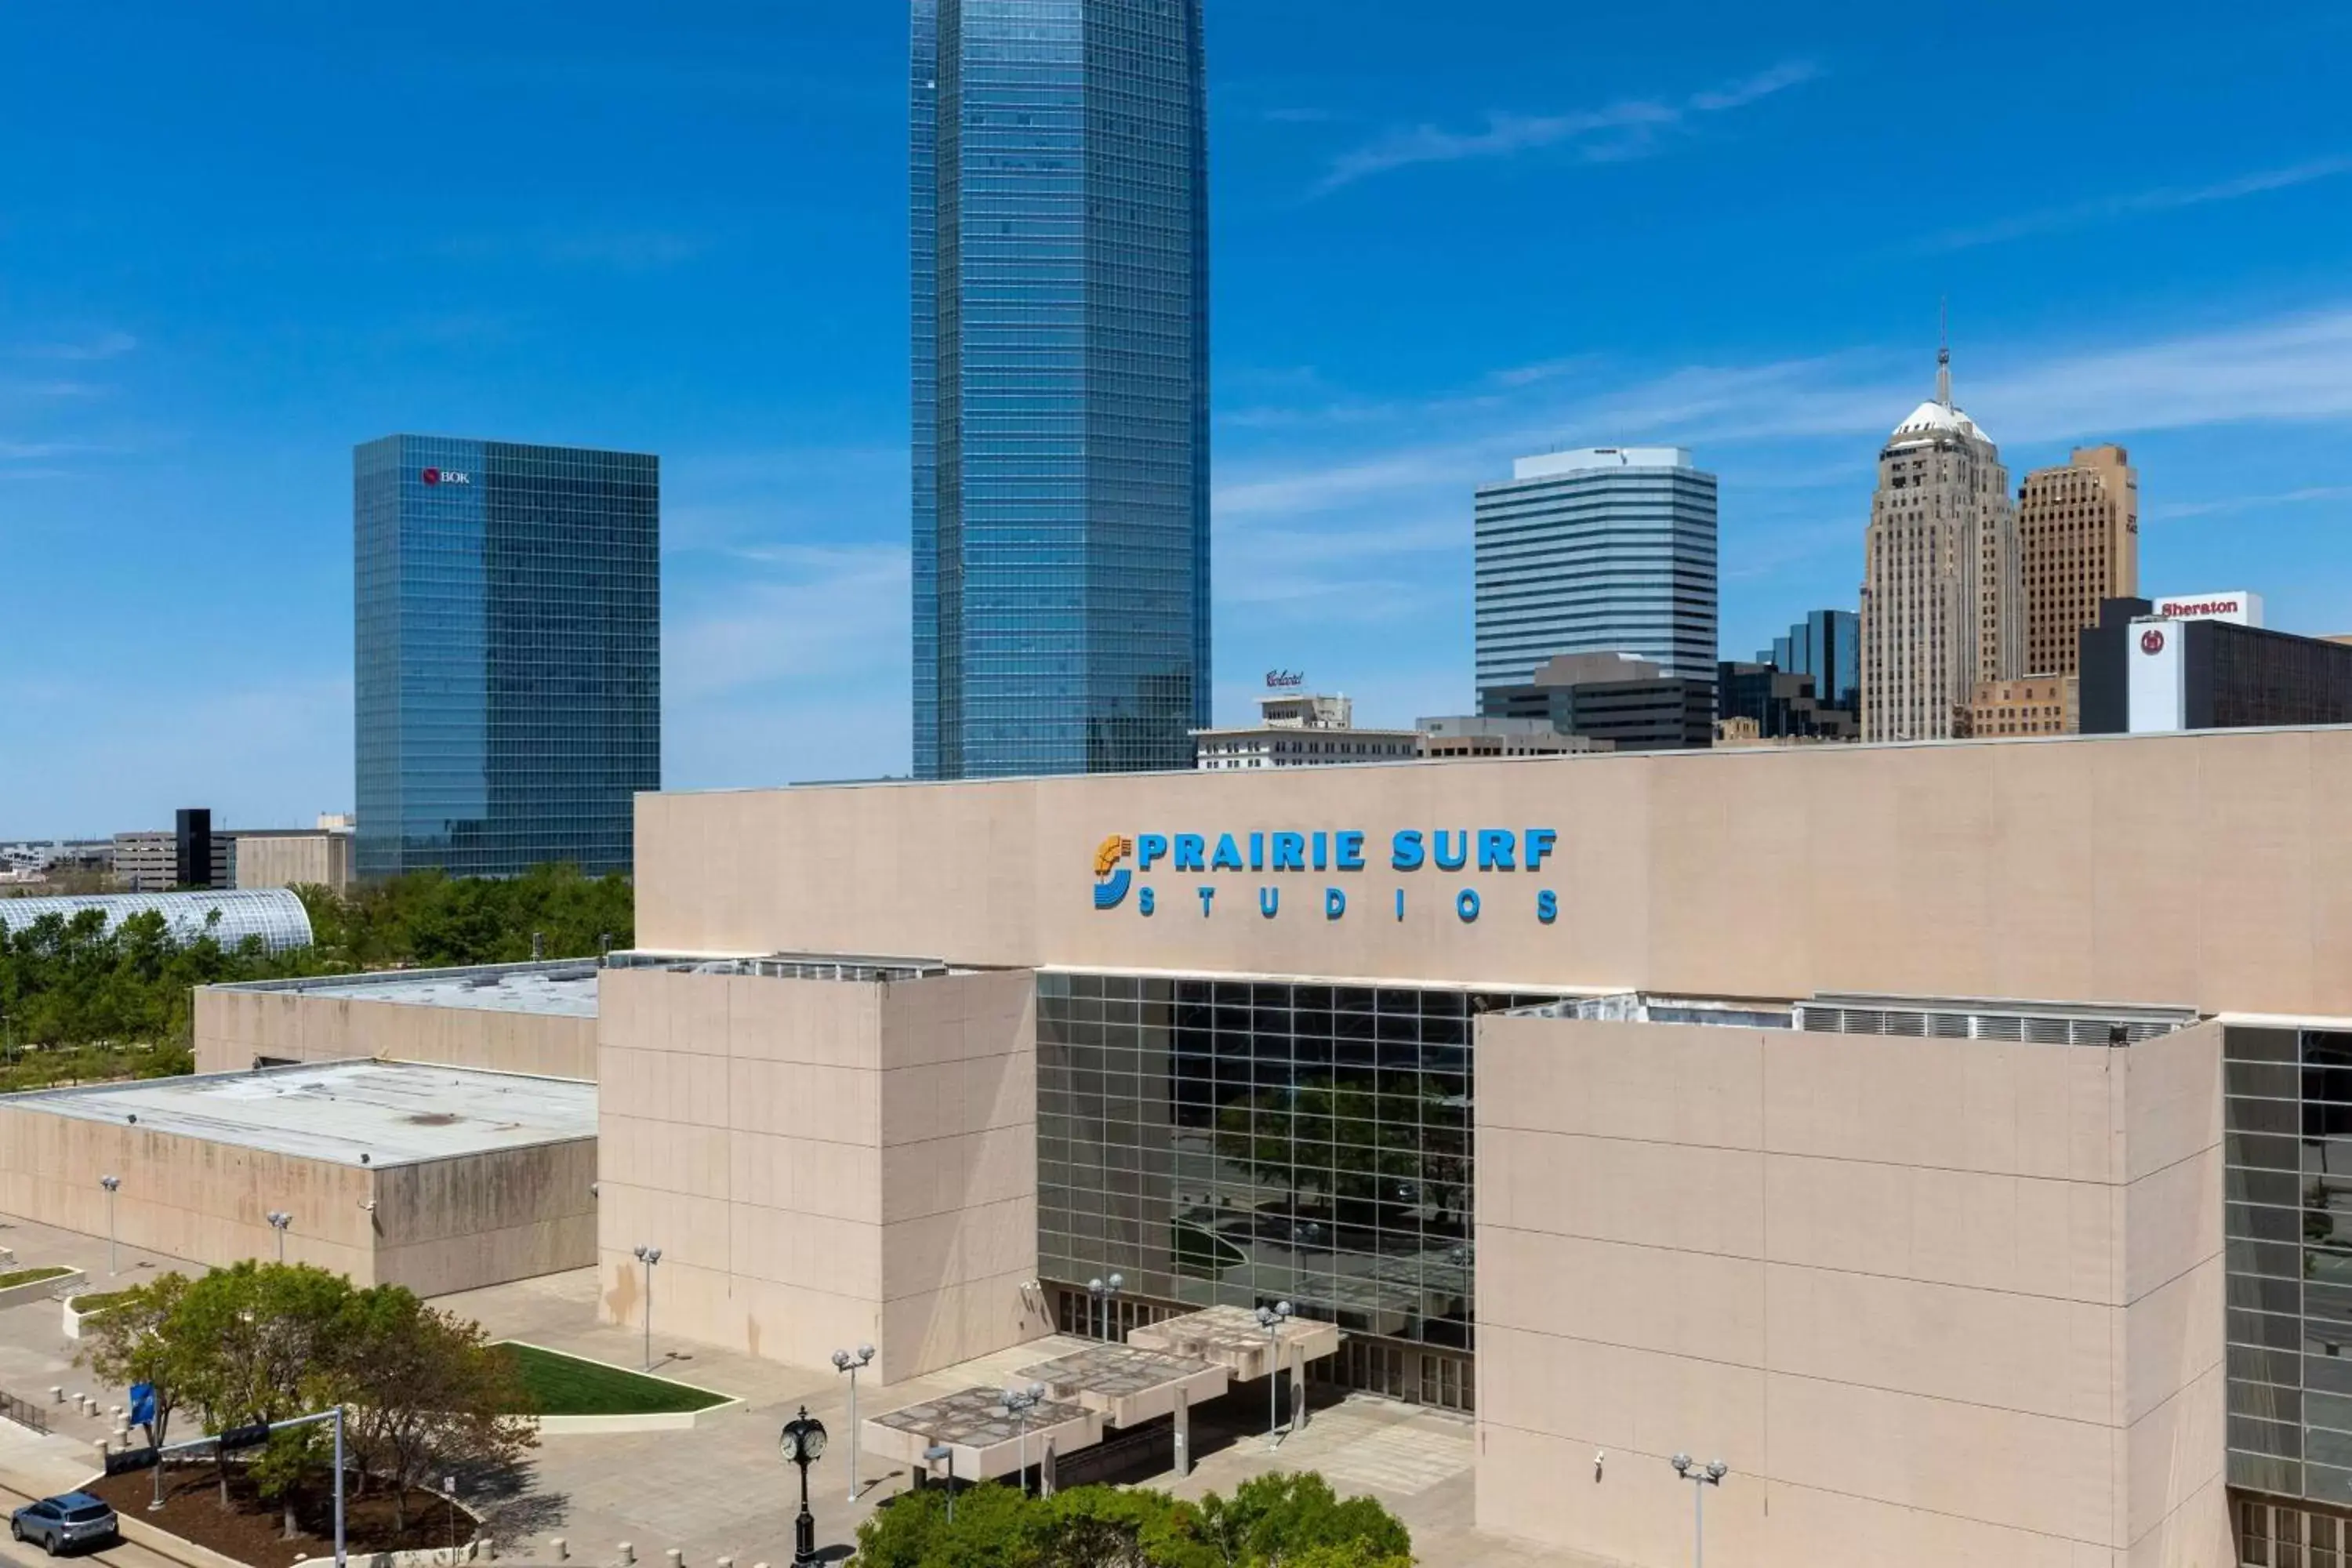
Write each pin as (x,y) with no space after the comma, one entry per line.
(813,1441)
(807,1443)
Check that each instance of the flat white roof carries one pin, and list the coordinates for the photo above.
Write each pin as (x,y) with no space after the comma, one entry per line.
(392,1113)
(561,988)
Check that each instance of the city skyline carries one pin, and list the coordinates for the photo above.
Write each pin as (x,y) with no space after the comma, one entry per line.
(183,374)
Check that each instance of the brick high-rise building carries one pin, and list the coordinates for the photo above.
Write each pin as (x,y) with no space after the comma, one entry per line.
(2078,532)
(1940,586)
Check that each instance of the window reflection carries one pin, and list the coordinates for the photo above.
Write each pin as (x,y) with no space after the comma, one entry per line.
(1306,1142)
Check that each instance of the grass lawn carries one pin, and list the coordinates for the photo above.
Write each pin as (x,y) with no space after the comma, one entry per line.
(567,1385)
(98,1301)
(32,1276)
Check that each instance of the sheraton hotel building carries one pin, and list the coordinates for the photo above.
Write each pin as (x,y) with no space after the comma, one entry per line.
(1955,1139)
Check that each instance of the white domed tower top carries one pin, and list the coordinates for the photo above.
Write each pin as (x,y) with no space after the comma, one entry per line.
(1937,416)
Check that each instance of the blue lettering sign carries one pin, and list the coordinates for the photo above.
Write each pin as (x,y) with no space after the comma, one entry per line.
(1150,847)
(1405,852)
(1455,858)
(1352,851)
(1189,852)
(1540,842)
(1335,903)
(1228,856)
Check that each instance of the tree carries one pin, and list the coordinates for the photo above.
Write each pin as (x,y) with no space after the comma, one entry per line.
(1273,1521)
(1296,1520)
(254,1344)
(287,1464)
(426,1391)
(126,1344)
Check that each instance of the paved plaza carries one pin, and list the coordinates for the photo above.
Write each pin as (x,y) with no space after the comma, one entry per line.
(720,1489)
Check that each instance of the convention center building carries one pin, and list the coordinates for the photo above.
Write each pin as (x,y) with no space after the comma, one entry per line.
(1953,1141)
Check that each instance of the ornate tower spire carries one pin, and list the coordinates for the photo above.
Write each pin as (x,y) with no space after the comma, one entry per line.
(1944,353)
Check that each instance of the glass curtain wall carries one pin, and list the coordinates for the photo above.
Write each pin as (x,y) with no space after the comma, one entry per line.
(1059,262)
(2287,1150)
(1232,1142)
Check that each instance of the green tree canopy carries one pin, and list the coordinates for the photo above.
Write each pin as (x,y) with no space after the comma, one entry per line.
(1272,1522)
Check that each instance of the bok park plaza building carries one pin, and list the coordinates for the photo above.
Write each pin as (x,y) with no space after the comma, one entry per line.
(1955,1139)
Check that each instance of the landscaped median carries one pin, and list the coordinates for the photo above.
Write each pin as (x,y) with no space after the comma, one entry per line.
(20,1285)
(570,1394)
(81,1308)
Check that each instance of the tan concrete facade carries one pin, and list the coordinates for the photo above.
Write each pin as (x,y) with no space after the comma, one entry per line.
(321,859)
(1935,1302)
(436,1226)
(822,1162)
(2210,870)
(235,1027)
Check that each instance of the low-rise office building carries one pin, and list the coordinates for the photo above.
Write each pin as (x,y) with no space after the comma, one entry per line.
(1299,729)
(295,857)
(1630,702)
(1475,735)
(2036,705)
(2207,663)
(435,1178)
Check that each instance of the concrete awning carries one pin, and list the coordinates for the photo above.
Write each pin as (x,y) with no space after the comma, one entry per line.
(985,1437)
(1128,1385)
(1232,1338)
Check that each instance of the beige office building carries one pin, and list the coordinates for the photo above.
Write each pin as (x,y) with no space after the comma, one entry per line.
(2036,705)
(295,857)
(1941,592)
(2078,530)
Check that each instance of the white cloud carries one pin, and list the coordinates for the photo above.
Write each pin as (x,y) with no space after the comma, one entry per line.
(790,616)
(106,345)
(1626,129)
(2168,198)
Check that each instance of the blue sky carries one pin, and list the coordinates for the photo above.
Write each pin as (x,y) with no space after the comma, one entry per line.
(235,239)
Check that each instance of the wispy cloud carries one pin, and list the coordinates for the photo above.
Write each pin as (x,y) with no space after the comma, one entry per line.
(621,250)
(1630,128)
(2230,505)
(2293,368)
(106,345)
(2169,198)
(791,615)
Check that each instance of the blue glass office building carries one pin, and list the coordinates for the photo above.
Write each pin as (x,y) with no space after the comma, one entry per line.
(1061,386)
(508,654)
(1827,646)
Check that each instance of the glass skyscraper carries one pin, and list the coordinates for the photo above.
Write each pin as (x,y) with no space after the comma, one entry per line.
(1827,646)
(1061,386)
(1609,550)
(508,654)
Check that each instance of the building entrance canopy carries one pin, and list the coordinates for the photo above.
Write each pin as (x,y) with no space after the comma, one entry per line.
(987,1438)
(1233,1338)
(1128,1385)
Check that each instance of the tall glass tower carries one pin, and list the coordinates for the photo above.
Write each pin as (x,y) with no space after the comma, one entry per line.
(1061,386)
(508,654)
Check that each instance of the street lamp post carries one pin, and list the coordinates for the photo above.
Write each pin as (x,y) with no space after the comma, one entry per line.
(1020,1402)
(278,1220)
(1701,1476)
(111,1183)
(842,1361)
(933,1455)
(650,1256)
(1103,1290)
(1271,1320)
(802,1443)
